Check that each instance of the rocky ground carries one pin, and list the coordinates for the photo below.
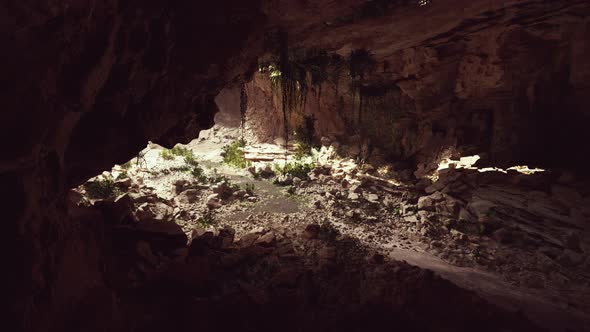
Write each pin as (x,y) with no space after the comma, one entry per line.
(520,240)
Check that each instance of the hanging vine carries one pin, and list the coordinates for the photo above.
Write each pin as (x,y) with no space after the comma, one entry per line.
(360,62)
(243,108)
(294,74)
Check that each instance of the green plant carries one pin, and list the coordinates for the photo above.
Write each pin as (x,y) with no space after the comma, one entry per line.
(207,219)
(249,187)
(233,154)
(181,152)
(177,151)
(102,187)
(297,168)
(167,155)
(302,150)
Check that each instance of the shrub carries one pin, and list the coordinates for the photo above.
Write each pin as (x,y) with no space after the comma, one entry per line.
(296,169)
(167,155)
(233,154)
(177,151)
(249,187)
(302,150)
(102,187)
(207,219)
(182,152)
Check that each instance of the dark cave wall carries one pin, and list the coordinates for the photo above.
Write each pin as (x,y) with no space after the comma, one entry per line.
(84,85)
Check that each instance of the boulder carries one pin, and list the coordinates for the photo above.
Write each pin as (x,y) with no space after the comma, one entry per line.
(373,198)
(157,211)
(222,189)
(266,240)
(426,203)
(213,202)
(353,196)
(312,231)
(188,196)
(480,208)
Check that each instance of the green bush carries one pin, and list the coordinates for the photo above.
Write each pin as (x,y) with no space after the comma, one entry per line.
(233,154)
(207,219)
(102,187)
(302,150)
(177,151)
(296,169)
(167,155)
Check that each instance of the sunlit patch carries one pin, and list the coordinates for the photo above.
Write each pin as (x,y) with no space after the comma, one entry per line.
(469,162)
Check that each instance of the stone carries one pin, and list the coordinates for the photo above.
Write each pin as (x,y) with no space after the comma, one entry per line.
(248,239)
(312,231)
(252,170)
(353,196)
(144,250)
(222,189)
(156,211)
(426,203)
(266,240)
(318,204)
(355,188)
(188,196)
(213,202)
(373,198)
(411,219)
(266,172)
(466,216)
(344,183)
(296,181)
(481,208)
(123,183)
(227,236)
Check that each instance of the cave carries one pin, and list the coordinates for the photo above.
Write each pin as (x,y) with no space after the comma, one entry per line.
(291,165)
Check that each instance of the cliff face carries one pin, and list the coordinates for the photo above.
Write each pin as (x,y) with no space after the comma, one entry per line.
(85,84)
(505,81)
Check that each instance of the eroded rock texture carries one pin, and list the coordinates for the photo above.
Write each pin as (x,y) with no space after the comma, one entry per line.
(508,81)
(85,84)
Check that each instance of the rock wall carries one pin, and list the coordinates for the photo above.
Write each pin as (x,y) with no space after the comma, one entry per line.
(84,85)
(507,81)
